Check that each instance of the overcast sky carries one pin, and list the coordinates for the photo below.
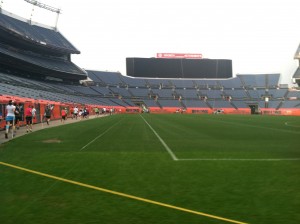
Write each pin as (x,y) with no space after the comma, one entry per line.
(259,36)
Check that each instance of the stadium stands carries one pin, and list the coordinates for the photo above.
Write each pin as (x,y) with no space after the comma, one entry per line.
(22,29)
(40,60)
(108,78)
(187,93)
(35,63)
(231,97)
(35,51)
(134,82)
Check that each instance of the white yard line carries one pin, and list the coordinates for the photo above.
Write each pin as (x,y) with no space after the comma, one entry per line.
(173,156)
(99,136)
(291,125)
(232,159)
(255,126)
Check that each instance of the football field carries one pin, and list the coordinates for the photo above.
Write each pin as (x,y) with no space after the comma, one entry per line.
(155,168)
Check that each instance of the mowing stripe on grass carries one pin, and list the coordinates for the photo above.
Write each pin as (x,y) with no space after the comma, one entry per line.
(120,194)
(161,140)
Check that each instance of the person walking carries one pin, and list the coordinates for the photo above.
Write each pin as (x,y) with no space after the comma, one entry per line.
(18,115)
(72,112)
(28,117)
(63,115)
(33,111)
(48,113)
(10,118)
(76,110)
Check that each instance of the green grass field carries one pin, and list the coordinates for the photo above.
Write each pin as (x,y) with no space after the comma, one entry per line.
(151,168)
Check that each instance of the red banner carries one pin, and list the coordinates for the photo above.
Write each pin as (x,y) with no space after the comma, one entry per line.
(178,55)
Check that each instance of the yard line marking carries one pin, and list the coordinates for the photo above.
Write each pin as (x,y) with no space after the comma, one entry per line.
(291,125)
(161,140)
(99,136)
(255,126)
(231,159)
(120,194)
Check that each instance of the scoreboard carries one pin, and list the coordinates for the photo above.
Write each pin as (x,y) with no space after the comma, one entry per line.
(179,68)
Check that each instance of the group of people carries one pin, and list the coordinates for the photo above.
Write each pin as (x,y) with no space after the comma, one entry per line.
(14,115)
(79,112)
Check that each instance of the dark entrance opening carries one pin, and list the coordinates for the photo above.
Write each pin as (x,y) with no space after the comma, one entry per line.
(254,108)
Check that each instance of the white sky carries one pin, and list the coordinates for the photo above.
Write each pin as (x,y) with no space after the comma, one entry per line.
(259,36)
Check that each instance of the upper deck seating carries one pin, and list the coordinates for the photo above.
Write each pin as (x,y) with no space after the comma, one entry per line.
(36,34)
(133,82)
(212,94)
(109,78)
(164,93)
(273,80)
(230,83)
(45,62)
(248,80)
(121,92)
(183,83)
(207,83)
(187,93)
(159,83)
(235,94)
(104,91)
(139,92)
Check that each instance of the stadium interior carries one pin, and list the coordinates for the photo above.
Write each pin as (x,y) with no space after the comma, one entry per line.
(35,63)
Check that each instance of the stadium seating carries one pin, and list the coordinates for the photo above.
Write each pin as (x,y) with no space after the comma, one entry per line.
(108,78)
(111,95)
(37,34)
(183,83)
(163,93)
(134,82)
(187,93)
(44,52)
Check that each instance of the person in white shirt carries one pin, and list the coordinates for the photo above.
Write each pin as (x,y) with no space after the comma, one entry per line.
(33,113)
(76,112)
(10,117)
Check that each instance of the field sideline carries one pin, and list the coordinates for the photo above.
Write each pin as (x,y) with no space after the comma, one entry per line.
(225,169)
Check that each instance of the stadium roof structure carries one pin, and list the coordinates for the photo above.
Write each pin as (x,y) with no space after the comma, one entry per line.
(297,54)
(16,56)
(35,50)
(296,75)
(27,33)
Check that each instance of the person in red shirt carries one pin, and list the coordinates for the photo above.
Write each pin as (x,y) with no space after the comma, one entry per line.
(28,117)
(63,115)
(72,112)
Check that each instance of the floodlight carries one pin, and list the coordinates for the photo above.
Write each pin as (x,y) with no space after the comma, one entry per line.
(47,7)
(42,5)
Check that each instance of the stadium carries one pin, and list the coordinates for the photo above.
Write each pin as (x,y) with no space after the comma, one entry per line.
(187,142)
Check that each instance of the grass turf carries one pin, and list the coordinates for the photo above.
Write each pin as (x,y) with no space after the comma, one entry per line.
(121,153)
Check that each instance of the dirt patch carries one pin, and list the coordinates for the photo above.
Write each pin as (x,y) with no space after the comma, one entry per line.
(52,141)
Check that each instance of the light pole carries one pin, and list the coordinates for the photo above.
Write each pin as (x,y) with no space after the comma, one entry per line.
(47,7)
